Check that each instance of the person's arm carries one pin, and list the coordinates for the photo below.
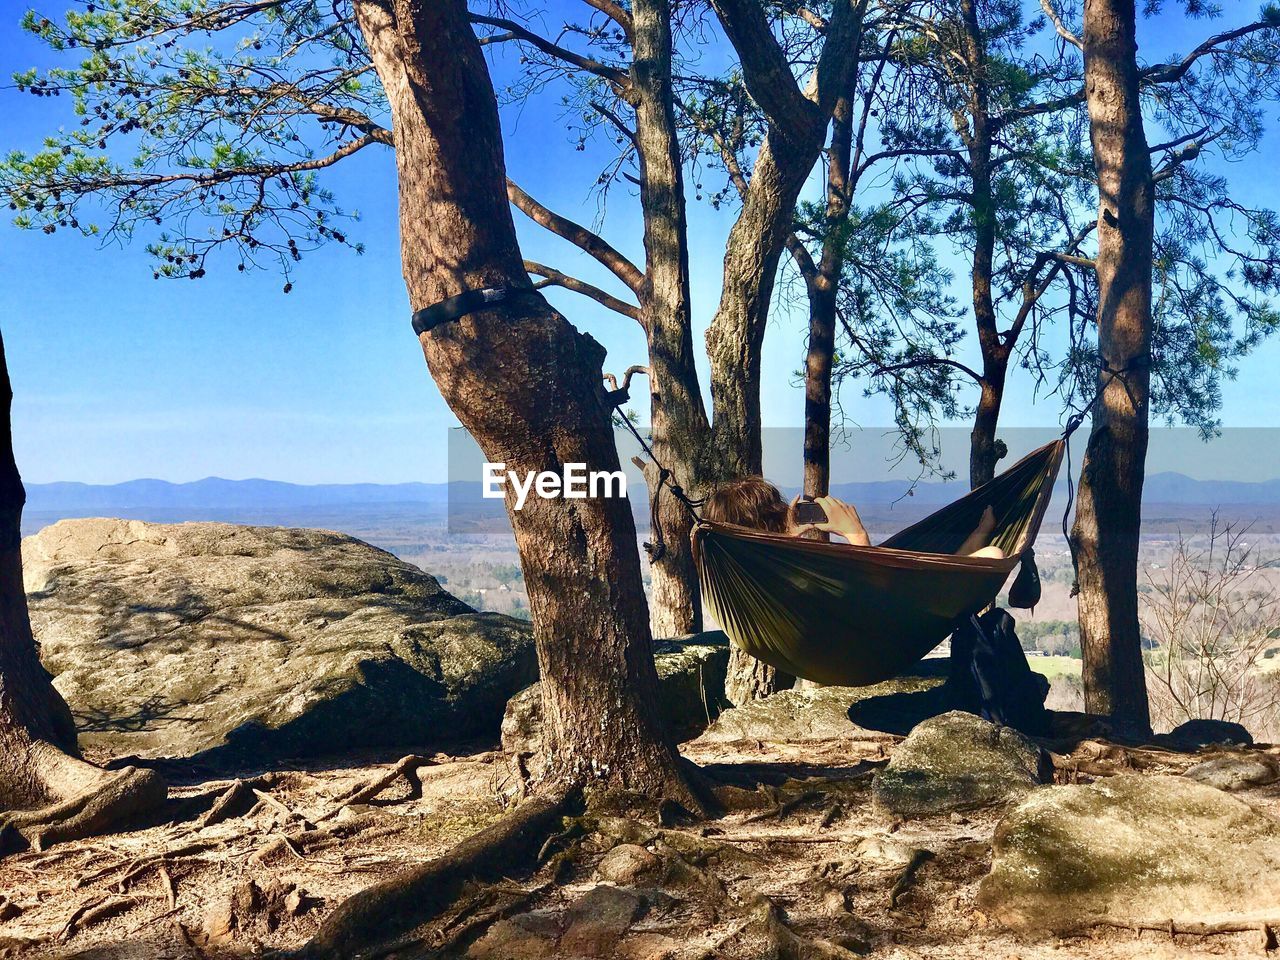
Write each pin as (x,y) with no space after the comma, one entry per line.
(842,520)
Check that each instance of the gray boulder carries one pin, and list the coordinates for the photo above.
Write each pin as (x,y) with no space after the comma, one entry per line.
(219,640)
(691,674)
(1236,771)
(1132,849)
(958,761)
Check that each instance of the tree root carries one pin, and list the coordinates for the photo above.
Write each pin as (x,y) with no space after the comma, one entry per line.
(116,796)
(93,911)
(917,859)
(388,910)
(406,768)
(786,944)
(1266,929)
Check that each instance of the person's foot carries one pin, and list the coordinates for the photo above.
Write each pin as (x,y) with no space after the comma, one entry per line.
(987,525)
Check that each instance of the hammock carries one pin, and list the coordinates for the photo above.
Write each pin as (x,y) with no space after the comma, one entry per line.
(839,614)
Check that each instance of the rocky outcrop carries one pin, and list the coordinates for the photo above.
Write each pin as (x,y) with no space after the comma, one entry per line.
(220,640)
(829,713)
(691,676)
(1132,849)
(1236,771)
(958,761)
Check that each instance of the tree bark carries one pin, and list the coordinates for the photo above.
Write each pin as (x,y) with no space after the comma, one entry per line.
(822,287)
(795,138)
(1109,510)
(678,420)
(983,449)
(528,386)
(47,793)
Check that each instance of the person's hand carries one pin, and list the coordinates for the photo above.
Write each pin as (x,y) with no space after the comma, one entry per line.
(842,520)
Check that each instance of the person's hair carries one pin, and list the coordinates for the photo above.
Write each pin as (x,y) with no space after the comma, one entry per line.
(748,502)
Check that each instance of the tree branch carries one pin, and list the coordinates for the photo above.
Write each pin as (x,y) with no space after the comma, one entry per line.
(1059,26)
(1172,72)
(579,236)
(554,278)
(617,14)
(766,70)
(615,75)
(928,362)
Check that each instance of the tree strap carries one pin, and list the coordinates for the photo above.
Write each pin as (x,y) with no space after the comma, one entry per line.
(455,308)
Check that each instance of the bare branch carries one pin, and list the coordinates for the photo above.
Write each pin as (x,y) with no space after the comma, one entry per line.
(617,14)
(1059,26)
(579,236)
(554,278)
(615,75)
(928,362)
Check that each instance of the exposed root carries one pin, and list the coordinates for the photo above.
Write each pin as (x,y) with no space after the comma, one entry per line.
(115,797)
(1266,929)
(234,802)
(93,911)
(388,910)
(917,859)
(786,944)
(406,768)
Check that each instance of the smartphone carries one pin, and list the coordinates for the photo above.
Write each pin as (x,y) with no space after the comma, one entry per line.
(809,511)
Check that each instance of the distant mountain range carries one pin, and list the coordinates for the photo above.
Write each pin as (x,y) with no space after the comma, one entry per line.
(216,493)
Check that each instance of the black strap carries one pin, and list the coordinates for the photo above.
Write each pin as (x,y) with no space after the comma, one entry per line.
(455,308)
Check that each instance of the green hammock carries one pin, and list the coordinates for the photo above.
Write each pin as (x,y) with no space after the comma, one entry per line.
(839,614)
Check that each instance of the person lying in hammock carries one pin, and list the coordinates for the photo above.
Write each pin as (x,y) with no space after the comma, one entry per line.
(755,502)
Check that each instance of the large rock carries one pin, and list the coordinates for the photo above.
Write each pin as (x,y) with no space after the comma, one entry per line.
(827,713)
(1132,849)
(691,674)
(958,761)
(1236,771)
(180,639)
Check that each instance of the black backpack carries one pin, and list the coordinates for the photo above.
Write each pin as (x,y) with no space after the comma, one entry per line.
(990,675)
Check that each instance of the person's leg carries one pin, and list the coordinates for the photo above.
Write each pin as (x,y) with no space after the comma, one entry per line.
(976,544)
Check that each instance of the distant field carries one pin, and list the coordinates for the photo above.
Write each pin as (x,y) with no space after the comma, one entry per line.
(1054,667)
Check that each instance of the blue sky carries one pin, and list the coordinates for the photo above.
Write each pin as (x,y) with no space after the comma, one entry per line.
(118,376)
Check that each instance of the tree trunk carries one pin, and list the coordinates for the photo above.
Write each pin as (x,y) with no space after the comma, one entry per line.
(822,289)
(817,387)
(678,419)
(47,793)
(1109,510)
(528,386)
(983,449)
(734,341)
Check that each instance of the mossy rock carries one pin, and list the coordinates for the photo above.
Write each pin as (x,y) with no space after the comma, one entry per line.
(691,676)
(1132,849)
(241,642)
(817,713)
(958,761)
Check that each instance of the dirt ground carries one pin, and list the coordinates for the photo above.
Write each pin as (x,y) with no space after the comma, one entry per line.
(246,865)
